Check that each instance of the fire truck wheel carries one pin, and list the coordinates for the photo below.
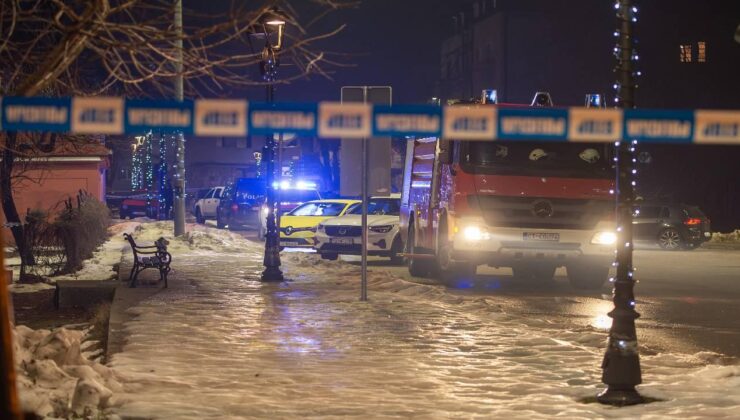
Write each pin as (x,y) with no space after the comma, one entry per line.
(587,276)
(534,272)
(417,267)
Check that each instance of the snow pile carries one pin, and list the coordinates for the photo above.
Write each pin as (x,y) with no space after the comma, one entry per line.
(54,377)
(732,237)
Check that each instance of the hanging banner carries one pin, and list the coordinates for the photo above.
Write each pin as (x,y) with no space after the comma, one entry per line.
(348,120)
(533,124)
(717,127)
(594,125)
(407,120)
(352,120)
(98,115)
(463,122)
(142,116)
(220,117)
(659,126)
(35,114)
(287,118)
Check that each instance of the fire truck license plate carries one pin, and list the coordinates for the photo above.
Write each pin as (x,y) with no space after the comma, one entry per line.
(541,236)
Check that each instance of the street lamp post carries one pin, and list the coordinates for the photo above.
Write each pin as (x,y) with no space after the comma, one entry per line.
(272,24)
(621,365)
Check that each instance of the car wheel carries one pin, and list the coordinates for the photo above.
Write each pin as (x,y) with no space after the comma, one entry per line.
(199,216)
(534,272)
(670,239)
(587,276)
(219,223)
(417,267)
(396,251)
(330,257)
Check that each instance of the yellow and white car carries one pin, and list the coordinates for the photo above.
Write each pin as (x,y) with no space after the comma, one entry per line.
(298,228)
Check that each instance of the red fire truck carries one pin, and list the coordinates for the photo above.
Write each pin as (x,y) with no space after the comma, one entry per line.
(531,206)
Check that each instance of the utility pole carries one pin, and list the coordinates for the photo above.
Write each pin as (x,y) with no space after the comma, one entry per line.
(178,202)
(621,365)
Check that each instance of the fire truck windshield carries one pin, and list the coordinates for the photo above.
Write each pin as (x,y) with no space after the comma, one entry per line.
(579,160)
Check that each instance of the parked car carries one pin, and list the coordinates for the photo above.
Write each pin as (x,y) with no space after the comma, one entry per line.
(343,235)
(671,226)
(139,206)
(206,207)
(241,203)
(298,227)
(290,197)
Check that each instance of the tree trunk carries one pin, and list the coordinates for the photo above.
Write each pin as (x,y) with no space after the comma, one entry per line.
(8,203)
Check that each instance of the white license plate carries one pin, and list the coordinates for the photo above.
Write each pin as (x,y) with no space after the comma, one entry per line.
(707,234)
(289,243)
(541,236)
(343,241)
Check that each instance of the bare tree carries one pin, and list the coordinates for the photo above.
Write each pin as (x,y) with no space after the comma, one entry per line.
(129,47)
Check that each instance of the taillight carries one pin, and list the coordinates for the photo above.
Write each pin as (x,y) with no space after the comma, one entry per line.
(235,208)
(692,221)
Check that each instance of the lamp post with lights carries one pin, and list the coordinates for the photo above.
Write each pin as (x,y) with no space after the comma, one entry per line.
(621,365)
(273,28)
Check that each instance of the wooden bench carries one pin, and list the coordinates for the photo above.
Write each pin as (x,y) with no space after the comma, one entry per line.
(154,256)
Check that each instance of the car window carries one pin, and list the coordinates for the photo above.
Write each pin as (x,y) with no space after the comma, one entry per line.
(318,209)
(694,212)
(646,212)
(210,194)
(379,206)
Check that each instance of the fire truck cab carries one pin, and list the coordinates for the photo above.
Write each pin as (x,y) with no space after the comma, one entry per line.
(531,206)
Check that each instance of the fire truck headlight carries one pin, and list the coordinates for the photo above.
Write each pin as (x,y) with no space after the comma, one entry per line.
(474,233)
(604,238)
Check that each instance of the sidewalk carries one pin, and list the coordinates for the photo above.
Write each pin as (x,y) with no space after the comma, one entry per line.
(220,344)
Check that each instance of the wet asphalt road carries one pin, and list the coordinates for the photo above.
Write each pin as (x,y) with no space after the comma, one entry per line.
(689,301)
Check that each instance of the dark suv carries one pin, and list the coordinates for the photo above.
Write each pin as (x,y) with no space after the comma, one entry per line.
(672,226)
(241,204)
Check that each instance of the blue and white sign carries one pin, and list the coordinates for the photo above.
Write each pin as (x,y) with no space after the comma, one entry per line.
(35,114)
(348,120)
(269,118)
(142,116)
(532,124)
(220,117)
(407,120)
(717,127)
(594,125)
(659,126)
(464,122)
(97,115)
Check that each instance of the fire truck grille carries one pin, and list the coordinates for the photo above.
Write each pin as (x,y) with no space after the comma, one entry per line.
(344,231)
(542,212)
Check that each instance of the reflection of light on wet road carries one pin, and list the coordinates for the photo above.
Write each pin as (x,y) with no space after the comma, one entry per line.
(602,322)
(599,312)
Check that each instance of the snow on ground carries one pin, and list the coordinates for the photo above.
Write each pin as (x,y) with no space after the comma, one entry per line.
(56,379)
(220,344)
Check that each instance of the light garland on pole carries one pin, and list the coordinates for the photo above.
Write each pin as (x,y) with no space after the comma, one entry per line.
(621,365)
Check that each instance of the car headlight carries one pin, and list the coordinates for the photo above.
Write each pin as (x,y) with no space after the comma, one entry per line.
(381,229)
(475,233)
(604,238)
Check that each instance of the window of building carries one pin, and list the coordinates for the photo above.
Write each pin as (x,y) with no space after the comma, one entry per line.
(701,52)
(686,53)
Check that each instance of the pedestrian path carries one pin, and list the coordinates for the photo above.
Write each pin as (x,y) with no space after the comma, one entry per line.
(220,344)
